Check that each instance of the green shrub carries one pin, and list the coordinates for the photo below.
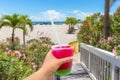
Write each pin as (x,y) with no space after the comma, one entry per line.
(115,24)
(91,32)
(36,51)
(10,45)
(91,29)
(12,68)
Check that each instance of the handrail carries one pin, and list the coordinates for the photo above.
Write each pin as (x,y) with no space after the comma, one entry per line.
(103,65)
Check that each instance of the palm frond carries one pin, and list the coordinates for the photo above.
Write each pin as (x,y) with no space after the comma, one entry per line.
(7,18)
(112,2)
(6,24)
(1,24)
(30,24)
(24,19)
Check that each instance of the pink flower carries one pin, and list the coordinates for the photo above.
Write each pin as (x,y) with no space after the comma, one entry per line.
(102,40)
(114,50)
(44,45)
(8,51)
(109,38)
(34,65)
(18,53)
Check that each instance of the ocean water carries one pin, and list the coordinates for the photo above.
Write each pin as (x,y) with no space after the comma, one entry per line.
(47,22)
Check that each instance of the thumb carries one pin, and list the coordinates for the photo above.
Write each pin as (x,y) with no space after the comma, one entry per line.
(64,60)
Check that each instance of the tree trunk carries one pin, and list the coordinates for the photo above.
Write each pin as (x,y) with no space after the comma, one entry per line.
(69,28)
(24,39)
(106,19)
(13,33)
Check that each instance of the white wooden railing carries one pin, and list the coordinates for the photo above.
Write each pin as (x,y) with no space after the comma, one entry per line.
(100,64)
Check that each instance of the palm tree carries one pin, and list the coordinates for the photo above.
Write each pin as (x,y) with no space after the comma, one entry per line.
(71,21)
(10,21)
(24,21)
(108,3)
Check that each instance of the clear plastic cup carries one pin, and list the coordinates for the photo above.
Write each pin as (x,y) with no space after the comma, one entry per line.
(62,51)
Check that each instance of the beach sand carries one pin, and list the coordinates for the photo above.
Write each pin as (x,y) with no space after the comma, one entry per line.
(41,31)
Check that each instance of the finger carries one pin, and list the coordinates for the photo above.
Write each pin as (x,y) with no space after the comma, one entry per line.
(64,60)
(49,53)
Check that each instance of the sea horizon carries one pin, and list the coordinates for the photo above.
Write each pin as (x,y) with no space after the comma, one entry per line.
(47,22)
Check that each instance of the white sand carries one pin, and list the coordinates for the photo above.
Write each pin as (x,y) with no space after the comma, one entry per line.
(40,31)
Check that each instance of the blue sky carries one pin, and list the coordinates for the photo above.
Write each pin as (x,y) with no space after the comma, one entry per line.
(44,10)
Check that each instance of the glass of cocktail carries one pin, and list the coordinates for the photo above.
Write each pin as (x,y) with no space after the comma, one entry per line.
(62,51)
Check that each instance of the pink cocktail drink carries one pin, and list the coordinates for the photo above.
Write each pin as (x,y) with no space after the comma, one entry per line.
(62,52)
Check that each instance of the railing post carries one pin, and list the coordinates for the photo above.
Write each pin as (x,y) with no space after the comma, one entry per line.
(80,54)
(119,74)
(89,61)
(113,72)
(103,65)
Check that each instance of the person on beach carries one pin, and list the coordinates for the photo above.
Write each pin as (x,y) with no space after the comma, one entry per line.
(49,67)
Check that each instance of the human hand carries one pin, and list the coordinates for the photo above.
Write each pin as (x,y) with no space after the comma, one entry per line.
(51,63)
(49,67)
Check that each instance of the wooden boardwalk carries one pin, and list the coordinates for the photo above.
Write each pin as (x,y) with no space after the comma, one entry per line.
(77,73)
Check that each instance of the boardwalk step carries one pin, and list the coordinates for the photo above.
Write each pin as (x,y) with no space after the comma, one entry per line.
(77,73)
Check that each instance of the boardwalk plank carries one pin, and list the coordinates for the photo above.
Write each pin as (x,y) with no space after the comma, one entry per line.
(77,73)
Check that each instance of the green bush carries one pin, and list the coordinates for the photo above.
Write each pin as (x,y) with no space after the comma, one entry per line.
(10,45)
(115,24)
(12,68)
(110,43)
(118,52)
(84,34)
(91,32)
(91,29)
(36,50)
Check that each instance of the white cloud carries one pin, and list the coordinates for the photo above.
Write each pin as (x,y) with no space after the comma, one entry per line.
(49,15)
(58,16)
(53,15)
(75,11)
(80,14)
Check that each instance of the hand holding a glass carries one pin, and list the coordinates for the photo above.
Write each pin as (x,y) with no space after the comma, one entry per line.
(49,67)
(63,51)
